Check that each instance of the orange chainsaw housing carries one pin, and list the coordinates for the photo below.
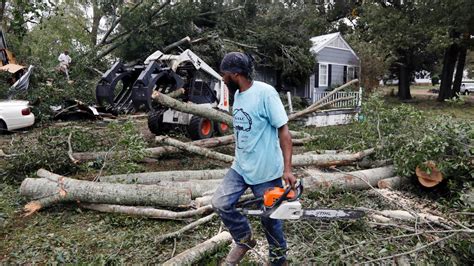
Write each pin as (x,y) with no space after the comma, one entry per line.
(273,194)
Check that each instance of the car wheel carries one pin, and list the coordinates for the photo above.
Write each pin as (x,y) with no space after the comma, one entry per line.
(3,127)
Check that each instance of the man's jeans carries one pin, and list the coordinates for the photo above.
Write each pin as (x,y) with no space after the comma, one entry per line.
(226,197)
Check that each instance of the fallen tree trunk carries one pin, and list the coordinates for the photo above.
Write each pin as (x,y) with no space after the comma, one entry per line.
(326,160)
(192,108)
(197,187)
(186,228)
(157,151)
(156,177)
(350,180)
(146,211)
(195,149)
(86,191)
(196,253)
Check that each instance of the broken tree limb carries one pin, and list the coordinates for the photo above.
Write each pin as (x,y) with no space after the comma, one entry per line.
(186,228)
(69,152)
(392,182)
(194,254)
(299,134)
(326,160)
(192,108)
(351,180)
(303,141)
(85,191)
(146,211)
(176,93)
(314,106)
(206,199)
(157,151)
(156,177)
(195,149)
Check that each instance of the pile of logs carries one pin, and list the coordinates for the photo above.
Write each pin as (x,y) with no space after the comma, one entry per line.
(159,195)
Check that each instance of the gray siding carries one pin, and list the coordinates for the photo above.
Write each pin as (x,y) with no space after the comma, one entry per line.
(266,75)
(337,56)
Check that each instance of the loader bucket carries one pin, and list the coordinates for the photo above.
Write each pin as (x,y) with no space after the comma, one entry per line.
(106,89)
(153,78)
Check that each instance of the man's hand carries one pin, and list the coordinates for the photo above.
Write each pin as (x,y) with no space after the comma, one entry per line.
(289,178)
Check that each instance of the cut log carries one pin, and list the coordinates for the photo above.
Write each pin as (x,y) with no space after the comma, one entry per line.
(326,160)
(186,228)
(156,177)
(192,108)
(157,151)
(198,252)
(195,149)
(350,180)
(147,211)
(431,177)
(85,191)
(392,182)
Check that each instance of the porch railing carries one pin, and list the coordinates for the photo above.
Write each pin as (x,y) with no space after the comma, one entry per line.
(352,103)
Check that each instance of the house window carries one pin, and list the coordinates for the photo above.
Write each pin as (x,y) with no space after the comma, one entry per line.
(350,73)
(323,75)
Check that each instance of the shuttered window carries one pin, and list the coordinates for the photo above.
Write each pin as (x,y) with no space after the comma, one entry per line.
(323,75)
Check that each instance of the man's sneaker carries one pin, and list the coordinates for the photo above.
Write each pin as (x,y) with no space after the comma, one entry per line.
(238,252)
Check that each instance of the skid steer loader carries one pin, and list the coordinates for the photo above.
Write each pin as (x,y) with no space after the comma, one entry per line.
(125,89)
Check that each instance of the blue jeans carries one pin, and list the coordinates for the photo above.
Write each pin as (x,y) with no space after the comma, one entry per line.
(226,197)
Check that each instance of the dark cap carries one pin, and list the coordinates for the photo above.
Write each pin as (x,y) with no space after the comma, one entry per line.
(236,62)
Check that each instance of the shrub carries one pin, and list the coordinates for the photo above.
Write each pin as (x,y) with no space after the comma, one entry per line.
(49,150)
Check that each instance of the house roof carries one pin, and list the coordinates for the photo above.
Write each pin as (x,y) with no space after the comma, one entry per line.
(333,40)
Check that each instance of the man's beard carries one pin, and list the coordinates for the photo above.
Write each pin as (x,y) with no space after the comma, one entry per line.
(233,86)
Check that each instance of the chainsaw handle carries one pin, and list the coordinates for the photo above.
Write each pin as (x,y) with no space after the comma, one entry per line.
(299,189)
(283,197)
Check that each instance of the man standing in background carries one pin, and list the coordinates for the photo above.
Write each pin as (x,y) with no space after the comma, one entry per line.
(64,61)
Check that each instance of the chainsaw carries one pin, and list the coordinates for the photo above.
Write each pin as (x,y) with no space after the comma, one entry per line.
(284,204)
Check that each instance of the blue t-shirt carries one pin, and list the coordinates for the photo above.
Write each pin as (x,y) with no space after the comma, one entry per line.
(258,113)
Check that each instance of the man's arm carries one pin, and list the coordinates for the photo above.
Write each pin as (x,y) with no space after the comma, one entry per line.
(287,148)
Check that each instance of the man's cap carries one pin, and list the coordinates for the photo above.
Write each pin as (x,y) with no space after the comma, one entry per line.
(236,62)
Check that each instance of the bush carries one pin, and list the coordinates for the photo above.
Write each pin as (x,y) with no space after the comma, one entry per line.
(409,137)
(49,150)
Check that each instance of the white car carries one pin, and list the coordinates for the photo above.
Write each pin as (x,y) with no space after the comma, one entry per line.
(467,87)
(15,114)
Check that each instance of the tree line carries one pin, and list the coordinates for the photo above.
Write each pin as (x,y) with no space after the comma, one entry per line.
(399,37)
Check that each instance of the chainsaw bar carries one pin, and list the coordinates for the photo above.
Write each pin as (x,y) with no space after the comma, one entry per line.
(320,214)
(332,214)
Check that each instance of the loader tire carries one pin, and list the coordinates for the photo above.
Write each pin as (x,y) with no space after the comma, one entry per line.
(155,122)
(221,128)
(200,128)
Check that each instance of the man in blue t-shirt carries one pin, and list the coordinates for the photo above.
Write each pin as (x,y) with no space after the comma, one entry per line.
(263,150)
